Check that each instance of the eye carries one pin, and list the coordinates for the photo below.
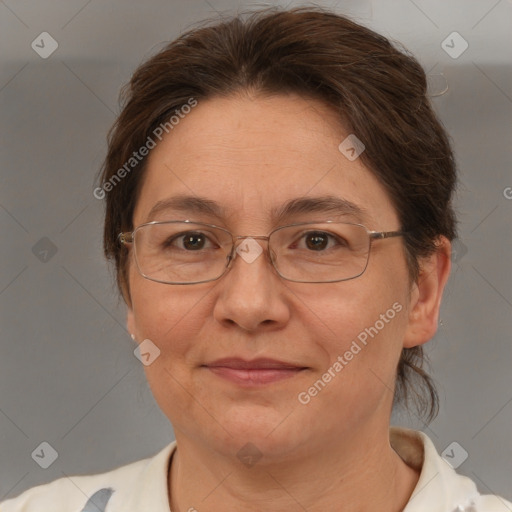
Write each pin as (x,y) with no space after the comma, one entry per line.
(189,241)
(319,240)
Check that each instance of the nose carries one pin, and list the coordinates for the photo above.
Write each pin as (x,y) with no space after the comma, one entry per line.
(251,293)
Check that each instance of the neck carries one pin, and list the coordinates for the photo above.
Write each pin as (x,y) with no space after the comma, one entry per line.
(319,478)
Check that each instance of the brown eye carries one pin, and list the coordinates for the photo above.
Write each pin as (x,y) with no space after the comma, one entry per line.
(194,241)
(317,240)
(189,241)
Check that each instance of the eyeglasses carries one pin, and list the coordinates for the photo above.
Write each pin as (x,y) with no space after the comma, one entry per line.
(186,252)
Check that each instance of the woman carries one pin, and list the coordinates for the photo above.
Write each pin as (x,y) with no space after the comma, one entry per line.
(281,235)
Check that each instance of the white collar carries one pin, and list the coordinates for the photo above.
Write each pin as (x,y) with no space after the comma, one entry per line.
(439,487)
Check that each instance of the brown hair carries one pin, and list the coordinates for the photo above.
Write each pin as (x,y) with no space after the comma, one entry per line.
(378,90)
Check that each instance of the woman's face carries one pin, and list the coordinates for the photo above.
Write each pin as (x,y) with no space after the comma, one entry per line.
(251,156)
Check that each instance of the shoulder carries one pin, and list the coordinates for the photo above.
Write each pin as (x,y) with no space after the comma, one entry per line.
(440,488)
(104,492)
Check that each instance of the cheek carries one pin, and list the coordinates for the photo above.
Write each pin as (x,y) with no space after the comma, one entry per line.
(339,312)
(172,318)
(167,315)
(363,324)
(155,308)
(359,354)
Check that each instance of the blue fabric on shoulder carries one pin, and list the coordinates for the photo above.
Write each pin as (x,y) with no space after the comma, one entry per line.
(98,501)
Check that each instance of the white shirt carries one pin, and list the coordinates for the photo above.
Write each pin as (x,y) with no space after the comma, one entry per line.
(142,486)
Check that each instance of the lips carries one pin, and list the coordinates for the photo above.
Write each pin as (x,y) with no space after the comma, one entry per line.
(253,373)
(255,364)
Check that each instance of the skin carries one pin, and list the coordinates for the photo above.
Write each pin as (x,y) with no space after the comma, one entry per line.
(253,153)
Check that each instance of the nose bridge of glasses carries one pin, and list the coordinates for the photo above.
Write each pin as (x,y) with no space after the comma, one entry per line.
(238,240)
(254,237)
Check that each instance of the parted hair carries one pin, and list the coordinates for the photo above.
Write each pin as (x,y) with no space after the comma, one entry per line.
(378,90)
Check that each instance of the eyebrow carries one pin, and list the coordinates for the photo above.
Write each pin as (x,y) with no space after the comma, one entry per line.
(326,204)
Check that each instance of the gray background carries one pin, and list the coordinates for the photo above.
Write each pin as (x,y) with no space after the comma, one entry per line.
(68,375)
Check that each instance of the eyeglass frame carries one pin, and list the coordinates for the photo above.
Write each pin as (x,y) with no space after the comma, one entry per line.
(128,237)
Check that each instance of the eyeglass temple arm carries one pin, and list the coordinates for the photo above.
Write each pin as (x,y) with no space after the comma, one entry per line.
(378,235)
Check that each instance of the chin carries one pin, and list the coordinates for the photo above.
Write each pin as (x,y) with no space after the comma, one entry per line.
(262,430)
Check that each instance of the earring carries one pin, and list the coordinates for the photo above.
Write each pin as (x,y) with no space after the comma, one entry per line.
(132,336)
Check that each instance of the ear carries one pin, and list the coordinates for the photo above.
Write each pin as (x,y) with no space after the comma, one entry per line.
(426,294)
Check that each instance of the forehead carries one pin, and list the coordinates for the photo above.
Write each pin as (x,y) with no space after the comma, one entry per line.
(252,157)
